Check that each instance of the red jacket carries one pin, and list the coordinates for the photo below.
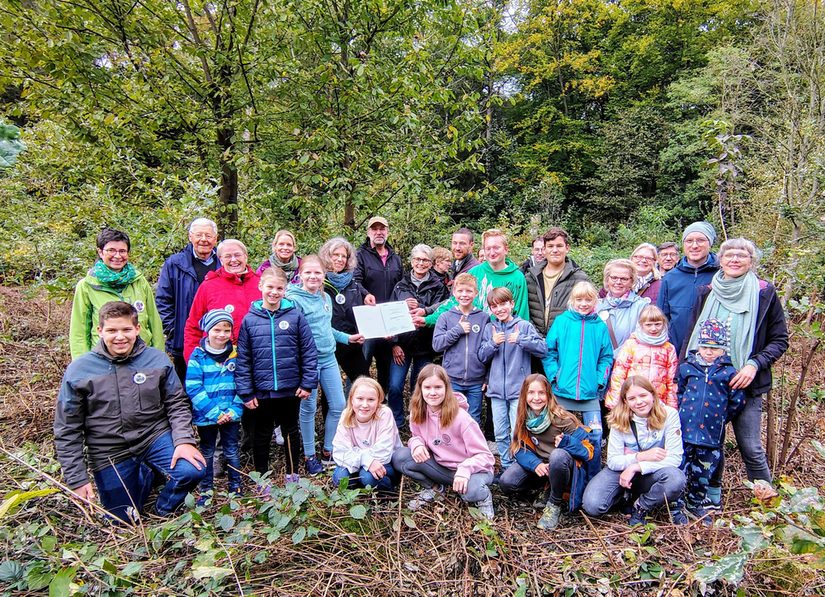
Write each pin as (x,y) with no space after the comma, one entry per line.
(220,290)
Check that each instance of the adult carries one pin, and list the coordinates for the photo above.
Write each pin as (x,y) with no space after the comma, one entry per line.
(758,337)
(180,277)
(649,279)
(124,406)
(536,255)
(668,253)
(283,256)
(421,287)
(549,282)
(112,278)
(233,286)
(621,308)
(678,291)
(338,257)
(462,247)
(379,269)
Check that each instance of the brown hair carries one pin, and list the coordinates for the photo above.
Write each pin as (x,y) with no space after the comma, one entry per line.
(418,408)
(115,310)
(499,295)
(556,232)
(274,272)
(348,414)
(311,259)
(521,437)
(619,417)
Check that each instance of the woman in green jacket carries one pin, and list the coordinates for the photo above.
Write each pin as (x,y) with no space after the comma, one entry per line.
(112,278)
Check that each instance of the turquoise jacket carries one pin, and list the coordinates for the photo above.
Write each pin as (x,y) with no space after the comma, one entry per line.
(317,309)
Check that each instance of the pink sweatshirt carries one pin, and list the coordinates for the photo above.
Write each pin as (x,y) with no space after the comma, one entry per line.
(359,446)
(461,446)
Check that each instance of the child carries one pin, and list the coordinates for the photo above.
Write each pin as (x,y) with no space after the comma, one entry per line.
(311,299)
(647,353)
(579,355)
(506,345)
(446,447)
(216,407)
(706,403)
(458,333)
(277,368)
(644,451)
(550,448)
(366,439)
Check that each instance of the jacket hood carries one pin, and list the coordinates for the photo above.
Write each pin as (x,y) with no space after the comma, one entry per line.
(298,290)
(722,361)
(257,308)
(712,264)
(100,350)
(576,316)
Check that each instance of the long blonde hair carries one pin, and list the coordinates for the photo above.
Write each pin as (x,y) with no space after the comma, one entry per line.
(348,415)
(521,437)
(619,417)
(418,408)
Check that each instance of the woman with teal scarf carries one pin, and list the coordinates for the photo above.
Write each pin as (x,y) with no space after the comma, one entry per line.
(758,337)
(112,278)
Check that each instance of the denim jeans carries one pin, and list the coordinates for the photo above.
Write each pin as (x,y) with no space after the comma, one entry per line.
(517,479)
(653,489)
(127,484)
(474,398)
(229,433)
(364,478)
(504,421)
(747,428)
(330,377)
(429,473)
(398,375)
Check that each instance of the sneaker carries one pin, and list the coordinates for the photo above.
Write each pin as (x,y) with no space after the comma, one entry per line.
(236,490)
(326,459)
(204,498)
(279,437)
(677,514)
(638,516)
(708,504)
(293,478)
(425,496)
(701,514)
(485,507)
(550,517)
(313,465)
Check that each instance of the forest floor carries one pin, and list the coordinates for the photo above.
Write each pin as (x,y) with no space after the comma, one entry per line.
(315,539)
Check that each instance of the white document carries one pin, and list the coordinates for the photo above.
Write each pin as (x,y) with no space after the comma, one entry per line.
(386,319)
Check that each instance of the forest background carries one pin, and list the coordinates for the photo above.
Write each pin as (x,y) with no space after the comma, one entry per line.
(621,121)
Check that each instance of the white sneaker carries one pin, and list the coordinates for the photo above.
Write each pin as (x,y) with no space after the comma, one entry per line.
(425,496)
(485,507)
(279,438)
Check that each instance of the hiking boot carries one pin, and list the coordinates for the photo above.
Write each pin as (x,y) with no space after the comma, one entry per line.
(485,507)
(293,478)
(425,496)
(313,466)
(638,516)
(279,437)
(550,517)
(677,514)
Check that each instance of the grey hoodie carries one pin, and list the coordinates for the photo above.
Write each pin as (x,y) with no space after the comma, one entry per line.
(461,350)
(510,363)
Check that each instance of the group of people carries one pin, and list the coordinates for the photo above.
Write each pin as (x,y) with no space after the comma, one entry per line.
(665,353)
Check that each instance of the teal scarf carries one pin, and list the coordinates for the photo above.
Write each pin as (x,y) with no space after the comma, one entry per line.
(109,278)
(339,281)
(539,423)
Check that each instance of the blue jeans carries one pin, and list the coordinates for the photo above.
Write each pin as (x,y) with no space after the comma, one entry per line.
(364,478)
(128,483)
(474,397)
(504,421)
(330,377)
(653,489)
(229,433)
(398,374)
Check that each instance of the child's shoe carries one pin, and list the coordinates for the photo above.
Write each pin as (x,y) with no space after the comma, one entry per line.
(279,437)
(236,489)
(204,498)
(326,459)
(485,507)
(550,517)
(425,496)
(677,514)
(708,504)
(293,478)
(638,516)
(700,514)
(313,465)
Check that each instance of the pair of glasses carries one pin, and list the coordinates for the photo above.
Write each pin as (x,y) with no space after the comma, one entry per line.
(642,258)
(697,241)
(116,251)
(421,260)
(619,279)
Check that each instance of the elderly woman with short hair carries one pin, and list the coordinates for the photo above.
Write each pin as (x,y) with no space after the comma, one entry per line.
(649,279)
(621,307)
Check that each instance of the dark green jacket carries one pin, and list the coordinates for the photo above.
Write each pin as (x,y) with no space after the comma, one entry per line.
(571,274)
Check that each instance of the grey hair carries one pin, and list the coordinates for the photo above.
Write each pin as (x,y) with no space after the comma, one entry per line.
(625,263)
(422,248)
(231,241)
(333,244)
(203,222)
(742,244)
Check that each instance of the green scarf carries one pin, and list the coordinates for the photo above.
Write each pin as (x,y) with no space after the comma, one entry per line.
(289,268)
(114,280)
(735,301)
(539,423)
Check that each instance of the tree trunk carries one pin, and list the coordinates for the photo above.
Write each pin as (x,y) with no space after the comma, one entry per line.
(228,192)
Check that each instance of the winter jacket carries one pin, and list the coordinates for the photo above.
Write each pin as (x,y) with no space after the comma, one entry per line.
(460,447)
(220,290)
(677,295)
(431,291)
(658,364)
(317,308)
(90,295)
(461,350)
(706,400)
(622,446)
(623,316)
(579,355)
(211,387)
(770,339)
(276,353)
(353,295)
(357,447)
(509,363)
(177,285)
(379,279)
(116,407)
(651,291)
(536,295)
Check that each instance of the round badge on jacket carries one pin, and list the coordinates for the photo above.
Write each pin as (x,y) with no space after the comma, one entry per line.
(229,308)
(139,306)
(230,367)
(139,378)
(476,328)
(284,325)
(340,299)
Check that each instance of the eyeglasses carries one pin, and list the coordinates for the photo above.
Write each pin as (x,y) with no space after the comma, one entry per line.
(642,258)
(698,242)
(232,256)
(741,256)
(113,252)
(668,255)
(421,260)
(619,279)
(204,236)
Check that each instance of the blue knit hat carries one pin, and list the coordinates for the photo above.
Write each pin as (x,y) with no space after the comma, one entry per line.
(214,317)
(713,333)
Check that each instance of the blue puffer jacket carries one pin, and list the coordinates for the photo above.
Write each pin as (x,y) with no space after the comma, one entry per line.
(579,355)
(461,350)
(276,353)
(706,400)
(509,363)
(176,289)
(211,386)
(678,293)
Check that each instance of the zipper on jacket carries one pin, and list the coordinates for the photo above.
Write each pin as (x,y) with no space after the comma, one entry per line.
(466,350)
(272,338)
(581,355)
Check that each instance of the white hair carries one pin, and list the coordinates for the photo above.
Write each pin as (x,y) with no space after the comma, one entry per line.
(204,222)
(231,241)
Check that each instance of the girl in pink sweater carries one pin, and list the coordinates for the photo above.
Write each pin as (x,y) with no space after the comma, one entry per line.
(446,447)
(365,439)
